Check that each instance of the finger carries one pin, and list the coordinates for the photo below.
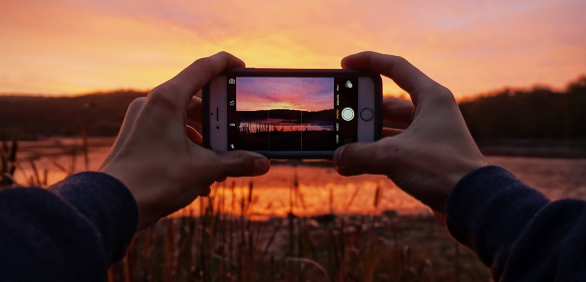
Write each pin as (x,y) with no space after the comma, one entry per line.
(132,113)
(194,110)
(359,158)
(193,135)
(176,94)
(407,76)
(205,192)
(243,163)
(398,111)
(390,132)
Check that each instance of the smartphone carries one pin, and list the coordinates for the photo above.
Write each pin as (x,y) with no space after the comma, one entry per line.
(291,113)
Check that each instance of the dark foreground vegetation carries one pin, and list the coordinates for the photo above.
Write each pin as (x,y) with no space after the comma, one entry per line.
(220,246)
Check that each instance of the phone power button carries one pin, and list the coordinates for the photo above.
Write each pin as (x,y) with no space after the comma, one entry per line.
(366,114)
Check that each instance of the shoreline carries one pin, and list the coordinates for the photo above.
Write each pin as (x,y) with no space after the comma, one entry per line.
(564,149)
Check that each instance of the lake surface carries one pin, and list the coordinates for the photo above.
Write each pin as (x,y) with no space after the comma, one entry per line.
(319,190)
(286,125)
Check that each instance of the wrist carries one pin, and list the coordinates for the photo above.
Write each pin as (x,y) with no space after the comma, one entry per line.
(131,186)
(459,172)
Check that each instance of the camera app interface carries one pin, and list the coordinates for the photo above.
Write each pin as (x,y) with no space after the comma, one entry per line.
(291,113)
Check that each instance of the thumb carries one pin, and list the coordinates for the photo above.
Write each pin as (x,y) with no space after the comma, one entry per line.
(243,163)
(360,158)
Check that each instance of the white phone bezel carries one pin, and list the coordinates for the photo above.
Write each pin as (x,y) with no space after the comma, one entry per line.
(218,118)
(365,128)
(218,92)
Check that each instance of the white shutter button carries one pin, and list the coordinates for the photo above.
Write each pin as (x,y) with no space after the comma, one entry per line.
(348,114)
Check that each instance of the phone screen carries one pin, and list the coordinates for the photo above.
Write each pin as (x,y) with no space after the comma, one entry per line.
(291,113)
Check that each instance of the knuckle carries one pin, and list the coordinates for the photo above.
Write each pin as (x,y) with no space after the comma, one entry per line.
(444,92)
(223,54)
(444,95)
(240,164)
(158,90)
(161,97)
(367,54)
(206,66)
(135,107)
(204,63)
(393,62)
(401,60)
(136,104)
(438,94)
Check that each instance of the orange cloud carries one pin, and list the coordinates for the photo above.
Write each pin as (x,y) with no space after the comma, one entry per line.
(70,47)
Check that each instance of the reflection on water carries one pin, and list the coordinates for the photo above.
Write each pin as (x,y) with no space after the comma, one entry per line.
(319,190)
(275,124)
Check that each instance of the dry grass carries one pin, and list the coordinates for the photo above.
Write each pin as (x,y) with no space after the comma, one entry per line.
(215,245)
(8,163)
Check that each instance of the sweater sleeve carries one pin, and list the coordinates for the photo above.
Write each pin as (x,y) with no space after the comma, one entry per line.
(71,231)
(516,230)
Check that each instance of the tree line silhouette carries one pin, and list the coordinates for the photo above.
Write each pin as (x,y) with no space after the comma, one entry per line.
(539,113)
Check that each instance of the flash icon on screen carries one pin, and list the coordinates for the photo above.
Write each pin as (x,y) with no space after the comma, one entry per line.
(348,84)
(232,146)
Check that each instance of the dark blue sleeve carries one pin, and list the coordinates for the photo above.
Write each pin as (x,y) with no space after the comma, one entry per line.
(516,230)
(72,231)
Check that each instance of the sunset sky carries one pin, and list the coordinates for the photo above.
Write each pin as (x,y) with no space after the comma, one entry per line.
(67,47)
(269,93)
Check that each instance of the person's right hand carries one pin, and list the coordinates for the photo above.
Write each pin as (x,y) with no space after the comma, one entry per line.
(432,154)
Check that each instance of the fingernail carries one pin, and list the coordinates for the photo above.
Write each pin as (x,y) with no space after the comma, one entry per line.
(256,155)
(338,157)
(261,166)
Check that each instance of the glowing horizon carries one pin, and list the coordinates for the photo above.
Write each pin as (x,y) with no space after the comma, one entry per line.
(310,94)
(65,47)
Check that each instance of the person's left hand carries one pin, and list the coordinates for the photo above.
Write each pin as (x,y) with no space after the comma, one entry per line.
(159,157)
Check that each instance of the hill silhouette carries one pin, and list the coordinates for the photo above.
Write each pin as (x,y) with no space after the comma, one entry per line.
(30,117)
(536,114)
(539,113)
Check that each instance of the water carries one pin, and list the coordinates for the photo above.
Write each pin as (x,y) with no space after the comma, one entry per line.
(320,189)
(260,125)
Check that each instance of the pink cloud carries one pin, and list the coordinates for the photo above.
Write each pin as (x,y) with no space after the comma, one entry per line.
(267,93)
